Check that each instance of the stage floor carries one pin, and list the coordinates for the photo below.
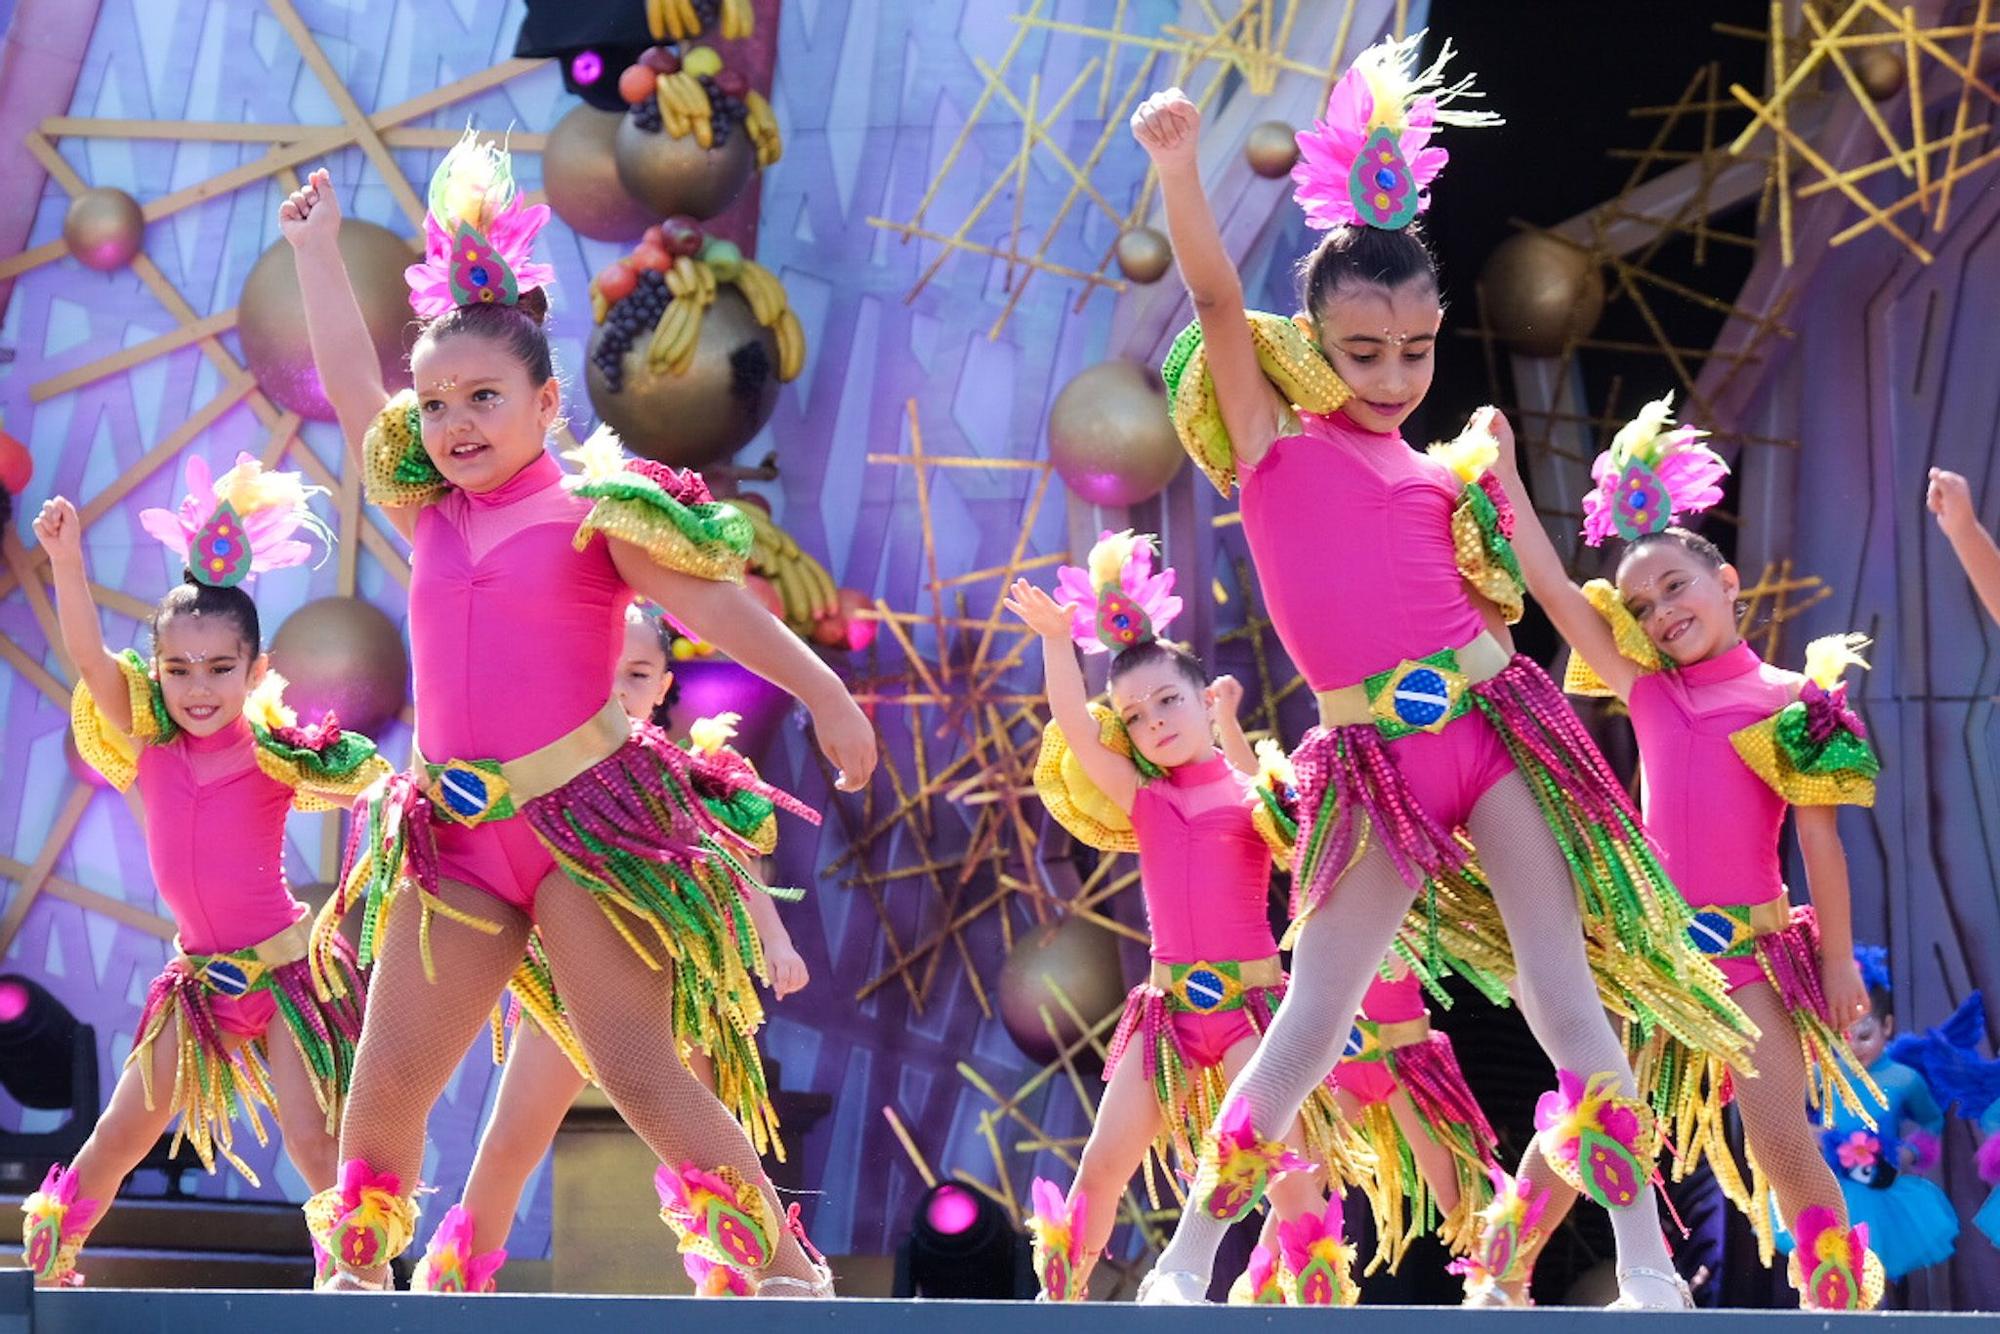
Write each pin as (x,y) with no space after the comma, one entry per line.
(152,1311)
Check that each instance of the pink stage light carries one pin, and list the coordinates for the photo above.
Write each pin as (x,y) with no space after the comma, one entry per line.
(951,1210)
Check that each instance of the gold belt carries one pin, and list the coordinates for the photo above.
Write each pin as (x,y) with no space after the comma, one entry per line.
(1416,695)
(471,792)
(235,972)
(1404,1033)
(1731,931)
(1212,988)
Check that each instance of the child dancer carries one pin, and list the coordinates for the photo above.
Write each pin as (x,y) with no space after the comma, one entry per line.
(559,815)
(1727,744)
(1428,722)
(1878,1150)
(545,1068)
(1951,501)
(1398,1081)
(1145,776)
(219,760)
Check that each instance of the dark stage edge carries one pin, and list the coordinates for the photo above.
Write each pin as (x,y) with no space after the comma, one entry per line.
(154,1311)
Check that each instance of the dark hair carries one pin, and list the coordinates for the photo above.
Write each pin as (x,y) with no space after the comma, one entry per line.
(1693,543)
(194,598)
(521,329)
(1355,254)
(662,711)
(1130,660)
(1882,1003)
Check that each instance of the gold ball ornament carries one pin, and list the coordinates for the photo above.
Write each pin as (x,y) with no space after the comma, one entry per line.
(1271,149)
(710,410)
(1882,73)
(271,321)
(104,228)
(346,655)
(1143,254)
(580,174)
(1074,955)
(1540,294)
(1110,436)
(677,176)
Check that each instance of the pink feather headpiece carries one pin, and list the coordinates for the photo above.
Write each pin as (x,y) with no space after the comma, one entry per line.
(1369,161)
(1654,473)
(239,524)
(478,238)
(1120,602)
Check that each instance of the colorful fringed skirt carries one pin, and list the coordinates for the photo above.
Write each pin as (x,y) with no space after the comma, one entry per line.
(623,812)
(1385,1055)
(1353,791)
(1770,942)
(212,997)
(1181,1022)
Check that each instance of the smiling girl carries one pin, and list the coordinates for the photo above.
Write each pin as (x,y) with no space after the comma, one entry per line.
(1385,572)
(537,804)
(1727,744)
(218,759)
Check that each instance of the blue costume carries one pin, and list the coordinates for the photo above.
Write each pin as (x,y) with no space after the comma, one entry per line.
(1948,1058)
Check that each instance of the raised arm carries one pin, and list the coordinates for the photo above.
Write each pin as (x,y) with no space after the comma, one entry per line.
(1827,881)
(60,531)
(1115,775)
(1168,126)
(1950,499)
(1548,582)
(343,351)
(730,617)
(1228,694)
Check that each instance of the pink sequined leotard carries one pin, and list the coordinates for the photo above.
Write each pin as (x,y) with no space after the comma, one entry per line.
(514,639)
(1715,821)
(215,838)
(1205,873)
(1351,534)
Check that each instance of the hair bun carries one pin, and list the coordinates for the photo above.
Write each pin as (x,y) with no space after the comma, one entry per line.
(535,302)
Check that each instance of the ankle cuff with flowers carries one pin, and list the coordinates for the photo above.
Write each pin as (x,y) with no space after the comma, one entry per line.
(52,1229)
(1510,1237)
(1057,1227)
(718,1215)
(1597,1140)
(449,1264)
(363,1220)
(1262,1282)
(1236,1167)
(1319,1264)
(1831,1265)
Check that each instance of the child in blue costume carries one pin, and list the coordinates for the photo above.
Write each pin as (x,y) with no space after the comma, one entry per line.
(1966,1083)
(1911,1223)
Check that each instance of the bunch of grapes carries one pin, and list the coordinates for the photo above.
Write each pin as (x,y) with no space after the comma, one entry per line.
(625,324)
(725,96)
(708,11)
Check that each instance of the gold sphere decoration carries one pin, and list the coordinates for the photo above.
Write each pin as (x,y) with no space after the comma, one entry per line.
(677,176)
(1540,294)
(580,174)
(1143,254)
(271,320)
(710,410)
(104,228)
(1272,148)
(345,655)
(1882,73)
(1078,956)
(1110,436)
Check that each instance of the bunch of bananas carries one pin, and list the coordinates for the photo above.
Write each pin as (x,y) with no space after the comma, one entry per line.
(803,584)
(680,21)
(692,284)
(761,124)
(685,108)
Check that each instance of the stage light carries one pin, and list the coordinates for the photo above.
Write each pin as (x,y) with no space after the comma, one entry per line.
(594,42)
(48,1061)
(961,1245)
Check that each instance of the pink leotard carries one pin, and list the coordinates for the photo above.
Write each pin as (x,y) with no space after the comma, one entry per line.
(514,640)
(1715,821)
(215,837)
(1350,531)
(1388,1001)
(1205,872)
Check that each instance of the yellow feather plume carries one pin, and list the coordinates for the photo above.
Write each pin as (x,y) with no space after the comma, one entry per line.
(1110,556)
(1274,767)
(1395,84)
(706,736)
(266,706)
(600,457)
(1471,453)
(1829,657)
(250,487)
